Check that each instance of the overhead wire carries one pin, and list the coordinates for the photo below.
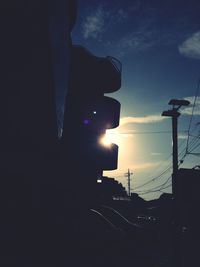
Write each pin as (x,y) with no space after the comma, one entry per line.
(163,172)
(168,168)
(152,180)
(157,187)
(145,132)
(194,148)
(192,114)
(153,191)
(161,187)
(193,142)
(190,144)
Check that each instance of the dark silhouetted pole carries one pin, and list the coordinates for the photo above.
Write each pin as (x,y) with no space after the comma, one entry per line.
(175,141)
(128,175)
(175,150)
(174,114)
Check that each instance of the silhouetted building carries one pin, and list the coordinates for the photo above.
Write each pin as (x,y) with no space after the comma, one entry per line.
(188,197)
(166,197)
(108,189)
(136,198)
(34,51)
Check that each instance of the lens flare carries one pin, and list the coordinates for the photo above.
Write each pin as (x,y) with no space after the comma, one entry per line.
(105,141)
(86,121)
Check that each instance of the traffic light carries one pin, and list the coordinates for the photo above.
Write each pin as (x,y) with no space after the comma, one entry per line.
(89,113)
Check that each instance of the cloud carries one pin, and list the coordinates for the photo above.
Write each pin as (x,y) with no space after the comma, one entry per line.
(188,110)
(100,19)
(122,14)
(145,166)
(146,119)
(126,135)
(94,24)
(192,98)
(139,40)
(182,136)
(156,154)
(191,47)
(145,34)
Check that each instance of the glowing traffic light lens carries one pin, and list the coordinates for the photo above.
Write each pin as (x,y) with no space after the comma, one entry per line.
(105,141)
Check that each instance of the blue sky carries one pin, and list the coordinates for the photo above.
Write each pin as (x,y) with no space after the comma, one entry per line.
(158,43)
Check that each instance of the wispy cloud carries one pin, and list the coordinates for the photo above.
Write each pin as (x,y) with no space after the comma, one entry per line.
(145,166)
(117,136)
(192,98)
(122,14)
(94,23)
(145,119)
(156,154)
(143,36)
(126,135)
(182,136)
(137,41)
(191,47)
(100,19)
(146,32)
(188,110)
(113,132)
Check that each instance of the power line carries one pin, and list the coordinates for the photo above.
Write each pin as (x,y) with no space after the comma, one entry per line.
(195,154)
(153,132)
(168,167)
(166,170)
(153,191)
(152,180)
(169,156)
(157,187)
(190,145)
(149,132)
(194,148)
(161,164)
(192,114)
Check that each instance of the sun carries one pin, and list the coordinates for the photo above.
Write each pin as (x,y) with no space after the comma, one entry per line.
(105,141)
(110,137)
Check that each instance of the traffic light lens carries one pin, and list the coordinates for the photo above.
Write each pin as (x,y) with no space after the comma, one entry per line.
(105,141)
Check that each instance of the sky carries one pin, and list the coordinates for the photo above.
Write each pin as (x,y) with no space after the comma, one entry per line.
(158,43)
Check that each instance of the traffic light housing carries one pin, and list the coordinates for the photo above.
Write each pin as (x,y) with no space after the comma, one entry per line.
(88,112)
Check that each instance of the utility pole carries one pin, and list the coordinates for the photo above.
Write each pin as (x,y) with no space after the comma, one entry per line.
(174,114)
(128,175)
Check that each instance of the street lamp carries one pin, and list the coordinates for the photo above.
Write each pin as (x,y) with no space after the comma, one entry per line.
(174,114)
